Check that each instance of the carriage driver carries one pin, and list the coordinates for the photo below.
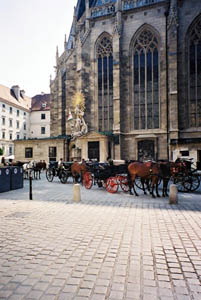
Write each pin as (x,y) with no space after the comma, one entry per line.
(60,163)
(60,166)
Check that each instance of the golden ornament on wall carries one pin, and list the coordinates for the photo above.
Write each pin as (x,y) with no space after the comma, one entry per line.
(78,101)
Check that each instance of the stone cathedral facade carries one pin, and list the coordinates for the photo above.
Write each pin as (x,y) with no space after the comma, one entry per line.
(138,65)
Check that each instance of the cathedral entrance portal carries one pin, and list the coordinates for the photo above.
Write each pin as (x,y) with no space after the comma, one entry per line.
(93,150)
(146,150)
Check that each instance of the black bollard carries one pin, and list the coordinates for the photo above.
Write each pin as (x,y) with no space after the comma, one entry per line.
(30,187)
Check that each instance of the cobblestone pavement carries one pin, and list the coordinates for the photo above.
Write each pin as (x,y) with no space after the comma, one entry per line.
(108,246)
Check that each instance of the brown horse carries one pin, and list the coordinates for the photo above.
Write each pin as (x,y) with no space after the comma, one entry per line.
(78,170)
(148,170)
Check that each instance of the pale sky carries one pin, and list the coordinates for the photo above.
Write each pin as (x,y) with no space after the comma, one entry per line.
(30,30)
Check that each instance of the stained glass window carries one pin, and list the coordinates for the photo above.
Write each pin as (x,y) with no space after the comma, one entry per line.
(104,53)
(146,81)
(63,105)
(194,78)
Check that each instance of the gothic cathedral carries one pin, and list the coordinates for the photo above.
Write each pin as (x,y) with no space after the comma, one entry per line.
(128,84)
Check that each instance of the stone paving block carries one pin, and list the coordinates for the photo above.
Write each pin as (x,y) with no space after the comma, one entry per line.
(65,296)
(98,297)
(116,295)
(4,294)
(34,295)
(70,288)
(18,297)
(100,290)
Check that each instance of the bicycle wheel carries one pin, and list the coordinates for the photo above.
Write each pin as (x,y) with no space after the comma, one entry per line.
(63,177)
(123,181)
(112,185)
(49,174)
(87,180)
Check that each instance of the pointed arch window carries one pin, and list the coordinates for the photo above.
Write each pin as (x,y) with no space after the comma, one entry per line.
(194,75)
(104,54)
(145,81)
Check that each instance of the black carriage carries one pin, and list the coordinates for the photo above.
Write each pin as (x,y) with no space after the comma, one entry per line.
(106,175)
(63,171)
(187,177)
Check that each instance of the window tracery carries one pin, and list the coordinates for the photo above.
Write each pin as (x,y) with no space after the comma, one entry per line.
(104,52)
(146,81)
(194,75)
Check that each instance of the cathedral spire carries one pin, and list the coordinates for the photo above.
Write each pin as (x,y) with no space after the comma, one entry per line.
(65,42)
(57,55)
(74,23)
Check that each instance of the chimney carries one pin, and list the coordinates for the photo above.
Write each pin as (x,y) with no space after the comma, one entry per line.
(16,91)
(22,93)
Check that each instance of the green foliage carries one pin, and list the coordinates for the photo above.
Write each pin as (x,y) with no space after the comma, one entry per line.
(1,151)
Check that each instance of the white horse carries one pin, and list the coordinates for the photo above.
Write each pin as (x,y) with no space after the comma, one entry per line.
(28,169)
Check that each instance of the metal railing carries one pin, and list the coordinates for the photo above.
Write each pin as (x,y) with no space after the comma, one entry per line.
(107,9)
(130,4)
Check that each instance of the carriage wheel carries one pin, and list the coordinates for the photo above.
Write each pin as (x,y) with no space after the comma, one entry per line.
(63,177)
(193,183)
(123,181)
(50,175)
(183,184)
(87,180)
(112,185)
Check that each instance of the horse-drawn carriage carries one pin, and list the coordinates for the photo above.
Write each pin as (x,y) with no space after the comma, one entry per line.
(106,175)
(63,172)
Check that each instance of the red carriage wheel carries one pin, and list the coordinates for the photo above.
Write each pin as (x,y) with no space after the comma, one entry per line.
(123,181)
(112,185)
(87,180)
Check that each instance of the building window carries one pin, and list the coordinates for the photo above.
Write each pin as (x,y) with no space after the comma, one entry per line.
(17,124)
(11,136)
(10,150)
(184,153)
(63,104)
(10,123)
(3,107)
(11,110)
(25,126)
(43,117)
(104,52)
(194,75)
(18,112)
(28,152)
(18,136)
(145,98)
(42,130)
(25,137)
(44,105)
(3,121)
(25,114)
(53,152)
(3,135)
